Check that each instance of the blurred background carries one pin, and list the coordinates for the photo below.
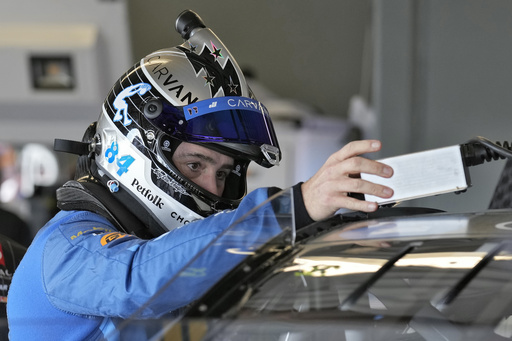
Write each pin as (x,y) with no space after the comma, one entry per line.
(417,74)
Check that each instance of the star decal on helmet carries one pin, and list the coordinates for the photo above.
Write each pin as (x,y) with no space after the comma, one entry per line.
(216,52)
(206,64)
(192,47)
(232,86)
(209,79)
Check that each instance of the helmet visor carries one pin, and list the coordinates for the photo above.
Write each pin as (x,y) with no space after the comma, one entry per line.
(222,119)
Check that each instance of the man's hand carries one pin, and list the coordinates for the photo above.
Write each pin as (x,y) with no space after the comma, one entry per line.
(327,191)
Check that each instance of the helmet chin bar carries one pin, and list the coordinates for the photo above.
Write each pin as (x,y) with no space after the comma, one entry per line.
(271,153)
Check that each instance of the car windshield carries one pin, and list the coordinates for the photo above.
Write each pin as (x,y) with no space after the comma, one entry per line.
(275,222)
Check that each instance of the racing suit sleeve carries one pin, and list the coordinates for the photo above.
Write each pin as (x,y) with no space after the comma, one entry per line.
(89,271)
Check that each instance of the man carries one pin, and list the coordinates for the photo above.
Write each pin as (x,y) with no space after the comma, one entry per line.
(158,182)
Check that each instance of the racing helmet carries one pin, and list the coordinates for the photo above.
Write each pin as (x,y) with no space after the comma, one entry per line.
(194,93)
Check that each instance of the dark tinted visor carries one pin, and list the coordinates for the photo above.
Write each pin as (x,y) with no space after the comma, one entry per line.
(223,119)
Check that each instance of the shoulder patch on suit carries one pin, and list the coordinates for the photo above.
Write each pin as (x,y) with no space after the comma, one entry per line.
(110,237)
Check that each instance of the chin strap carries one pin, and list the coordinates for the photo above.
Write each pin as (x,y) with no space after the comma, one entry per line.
(93,197)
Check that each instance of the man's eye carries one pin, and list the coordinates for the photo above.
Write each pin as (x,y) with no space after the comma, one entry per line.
(193,166)
(222,175)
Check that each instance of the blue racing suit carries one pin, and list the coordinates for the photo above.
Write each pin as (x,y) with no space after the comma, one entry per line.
(81,276)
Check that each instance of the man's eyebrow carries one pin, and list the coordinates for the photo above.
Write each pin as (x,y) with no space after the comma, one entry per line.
(202,157)
(208,159)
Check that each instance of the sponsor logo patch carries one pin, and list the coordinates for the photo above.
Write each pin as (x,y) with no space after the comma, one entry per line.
(110,237)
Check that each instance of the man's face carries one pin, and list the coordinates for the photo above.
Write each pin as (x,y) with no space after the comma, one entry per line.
(205,167)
